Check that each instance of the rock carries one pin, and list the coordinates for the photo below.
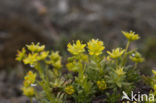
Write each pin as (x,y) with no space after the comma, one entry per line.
(22,99)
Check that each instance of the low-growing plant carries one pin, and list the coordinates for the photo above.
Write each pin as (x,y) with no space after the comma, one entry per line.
(91,72)
(151,81)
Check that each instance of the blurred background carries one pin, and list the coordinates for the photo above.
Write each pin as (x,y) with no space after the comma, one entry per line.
(57,22)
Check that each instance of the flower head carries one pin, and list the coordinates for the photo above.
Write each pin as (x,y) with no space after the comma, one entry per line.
(28,91)
(57,64)
(43,55)
(119,71)
(21,54)
(131,36)
(116,53)
(35,48)
(95,47)
(31,59)
(101,85)
(77,48)
(69,90)
(55,56)
(136,57)
(154,72)
(55,59)
(29,79)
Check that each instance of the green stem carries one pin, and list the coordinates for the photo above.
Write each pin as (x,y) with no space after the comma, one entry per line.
(31,100)
(125,54)
(45,83)
(116,62)
(135,66)
(127,46)
(98,64)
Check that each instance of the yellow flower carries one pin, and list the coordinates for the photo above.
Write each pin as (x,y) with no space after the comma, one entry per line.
(154,87)
(31,59)
(131,36)
(119,71)
(55,60)
(35,48)
(29,79)
(55,56)
(28,91)
(57,64)
(77,48)
(95,47)
(136,57)
(116,53)
(21,54)
(69,90)
(43,55)
(154,72)
(101,85)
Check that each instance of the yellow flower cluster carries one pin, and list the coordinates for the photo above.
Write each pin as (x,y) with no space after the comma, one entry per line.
(28,80)
(31,59)
(69,90)
(95,47)
(43,55)
(131,36)
(35,48)
(116,53)
(37,54)
(34,57)
(55,60)
(119,71)
(101,85)
(29,91)
(136,57)
(77,48)
(21,54)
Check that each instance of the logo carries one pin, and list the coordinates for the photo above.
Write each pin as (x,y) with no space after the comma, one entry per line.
(125,96)
(138,97)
